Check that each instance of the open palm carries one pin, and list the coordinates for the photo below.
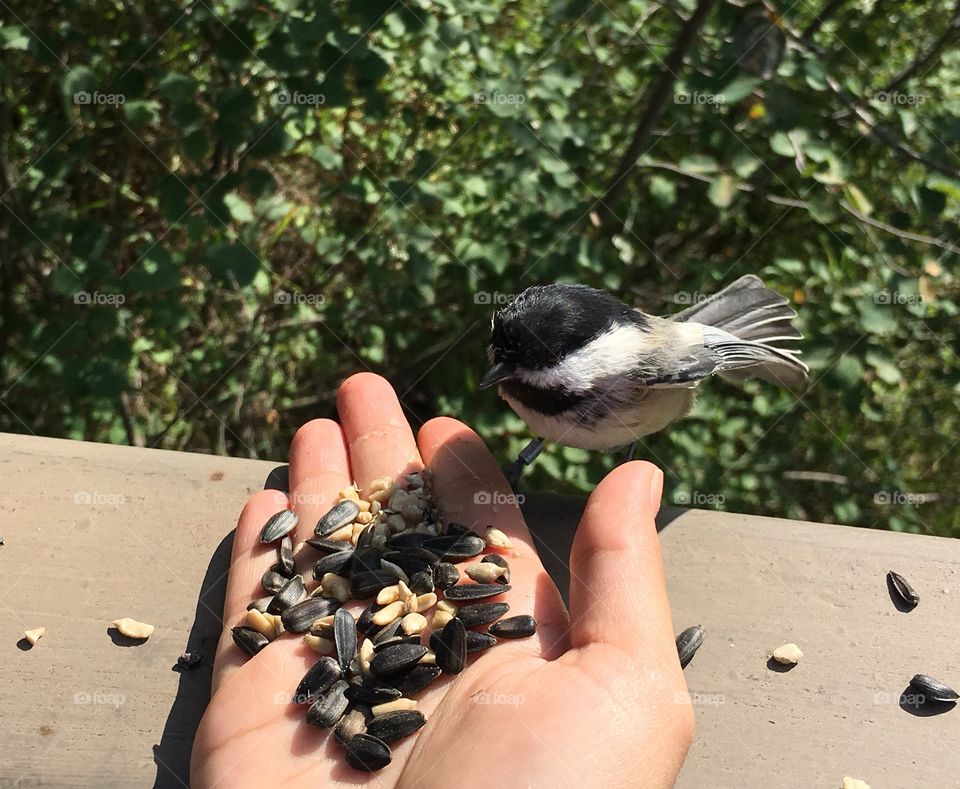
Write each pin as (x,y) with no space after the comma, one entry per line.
(596,698)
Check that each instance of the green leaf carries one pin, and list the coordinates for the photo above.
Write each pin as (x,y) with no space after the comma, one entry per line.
(177,87)
(722,190)
(231,261)
(141,113)
(239,208)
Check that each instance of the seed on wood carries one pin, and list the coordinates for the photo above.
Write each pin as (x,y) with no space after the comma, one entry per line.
(298,617)
(34,635)
(285,554)
(258,621)
(451,649)
(345,637)
(422,582)
(393,706)
(904,591)
(396,658)
(475,591)
(520,626)
(339,516)
(439,619)
(688,642)
(354,722)
(318,680)
(367,753)
(337,562)
(189,660)
(391,726)
(413,623)
(278,525)
(389,594)
(329,707)
(477,641)
(455,548)
(388,613)
(497,540)
(415,680)
(131,628)
(481,613)
(260,604)
(788,654)
(249,640)
(445,575)
(288,594)
(484,572)
(327,546)
(272,581)
(371,694)
(324,646)
(932,689)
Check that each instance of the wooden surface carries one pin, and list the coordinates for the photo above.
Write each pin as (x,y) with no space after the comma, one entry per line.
(95,532)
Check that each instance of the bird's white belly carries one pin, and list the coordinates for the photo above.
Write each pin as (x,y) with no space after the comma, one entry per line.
(621,427)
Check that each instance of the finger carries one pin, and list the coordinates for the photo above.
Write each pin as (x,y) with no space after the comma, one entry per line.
(470,489)
(379,440)
(618,593)
(248,560)
(319,470)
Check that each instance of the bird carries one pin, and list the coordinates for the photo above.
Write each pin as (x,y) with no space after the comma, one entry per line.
(586,370)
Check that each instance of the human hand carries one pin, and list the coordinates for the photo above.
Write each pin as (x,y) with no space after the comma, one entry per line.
(596,698)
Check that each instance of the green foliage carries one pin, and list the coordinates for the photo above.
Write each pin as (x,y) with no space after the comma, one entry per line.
(213,213)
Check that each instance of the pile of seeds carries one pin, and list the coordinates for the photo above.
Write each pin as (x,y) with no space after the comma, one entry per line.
(390,548)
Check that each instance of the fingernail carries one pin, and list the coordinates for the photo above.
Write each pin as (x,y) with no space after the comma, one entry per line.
(656,490)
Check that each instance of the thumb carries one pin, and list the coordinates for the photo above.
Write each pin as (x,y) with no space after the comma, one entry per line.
(618,594)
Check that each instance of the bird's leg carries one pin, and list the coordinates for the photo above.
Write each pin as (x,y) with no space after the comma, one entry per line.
(527,455)
(630,453)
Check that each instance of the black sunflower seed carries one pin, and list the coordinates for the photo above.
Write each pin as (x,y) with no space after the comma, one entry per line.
(396,658)
(354,722)
(459,530)
(189,660)
(400,638)
(932,689)
(497,559)
(365,623)
(367,584)
(260,604)
(903,589)
(298,617)
(456,548)
(272,581)
(387,632)
(291,592)
(477,642)
(475,591)
(410,565)
(329,546)
(451,647)
(520,626)
(340,563)
(396,725)
(409,540)
(688,642)
(249,640)
(365,538)
(285,555)
(278,525)
(345,637)
(318,680)
(445,575)
(362,691)
(481,613)
(422,582)
(329,707)
(367,753)
(415,680)
(366,559)
(343,514)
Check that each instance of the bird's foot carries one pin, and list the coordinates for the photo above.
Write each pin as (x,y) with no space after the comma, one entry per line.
(514,471)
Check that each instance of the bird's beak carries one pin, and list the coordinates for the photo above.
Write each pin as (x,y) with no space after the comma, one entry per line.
(496,374)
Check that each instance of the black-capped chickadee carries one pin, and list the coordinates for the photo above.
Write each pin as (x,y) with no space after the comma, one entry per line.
(584,369)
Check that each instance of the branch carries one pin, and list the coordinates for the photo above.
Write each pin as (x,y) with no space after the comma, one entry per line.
(925,62)
(934,242)
(661,92)
(828,11)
